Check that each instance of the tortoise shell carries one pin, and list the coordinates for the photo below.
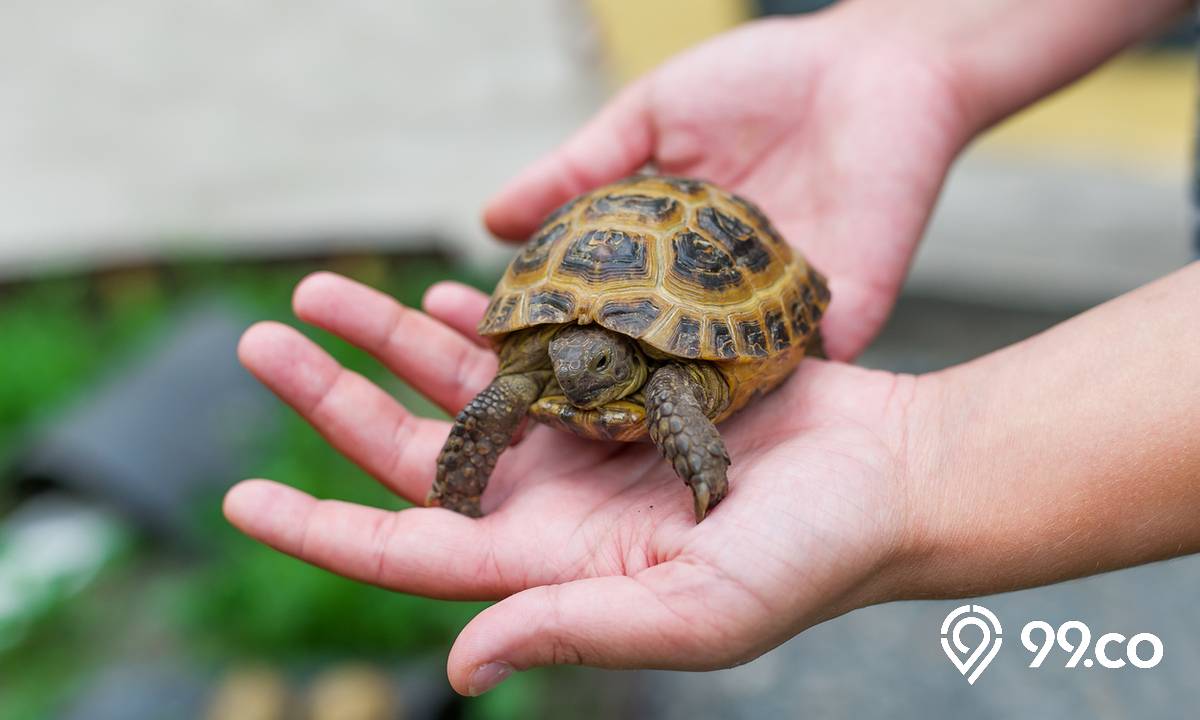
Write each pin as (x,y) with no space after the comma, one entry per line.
(689,270)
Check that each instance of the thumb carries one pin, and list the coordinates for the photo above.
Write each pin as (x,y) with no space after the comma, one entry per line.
(616,142)
(612,622)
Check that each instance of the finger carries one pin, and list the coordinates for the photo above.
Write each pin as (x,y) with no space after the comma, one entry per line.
(352,413)
(853,321)
(459,306)
(425,551)
(439,362)
(615,143)
(613,622)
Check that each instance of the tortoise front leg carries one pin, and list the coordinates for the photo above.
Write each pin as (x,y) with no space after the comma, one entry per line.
(481,432)
(679,426)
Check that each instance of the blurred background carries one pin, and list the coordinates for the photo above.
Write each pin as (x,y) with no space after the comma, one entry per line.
(168,171)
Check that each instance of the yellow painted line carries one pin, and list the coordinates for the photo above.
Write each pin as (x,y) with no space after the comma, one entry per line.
(1136,112)
(640,34)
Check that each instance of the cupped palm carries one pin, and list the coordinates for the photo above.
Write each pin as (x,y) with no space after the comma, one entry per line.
(593,544)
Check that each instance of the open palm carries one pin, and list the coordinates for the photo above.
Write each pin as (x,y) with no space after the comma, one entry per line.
(842,134)
(592,544)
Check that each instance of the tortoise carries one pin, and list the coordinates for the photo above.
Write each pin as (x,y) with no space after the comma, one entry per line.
(652,307)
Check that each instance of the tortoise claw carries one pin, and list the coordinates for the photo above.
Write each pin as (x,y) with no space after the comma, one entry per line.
(701,497)
(463,505)
(686,436)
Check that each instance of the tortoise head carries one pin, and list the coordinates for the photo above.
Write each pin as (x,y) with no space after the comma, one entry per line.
(595,366)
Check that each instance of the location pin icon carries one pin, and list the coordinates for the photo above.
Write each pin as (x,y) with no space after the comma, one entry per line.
(971,662)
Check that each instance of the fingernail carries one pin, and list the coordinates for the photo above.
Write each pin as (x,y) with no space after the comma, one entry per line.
(488,676)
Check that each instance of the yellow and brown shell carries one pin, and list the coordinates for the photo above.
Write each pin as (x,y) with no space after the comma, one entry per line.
(691,271)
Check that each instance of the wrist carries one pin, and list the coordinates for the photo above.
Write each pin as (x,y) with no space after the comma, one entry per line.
(999,56)
(939,521)
(911,549)
(918,47)
(1013,478)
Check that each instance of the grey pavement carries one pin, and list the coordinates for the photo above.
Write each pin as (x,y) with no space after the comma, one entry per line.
(1036,232)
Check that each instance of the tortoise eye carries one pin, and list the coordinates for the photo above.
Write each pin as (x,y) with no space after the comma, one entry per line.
(602,362)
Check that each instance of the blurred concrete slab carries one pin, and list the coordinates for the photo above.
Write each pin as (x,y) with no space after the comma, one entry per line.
(1050,231)
(176,687)
(140,691)
(137,127)
(1079,198)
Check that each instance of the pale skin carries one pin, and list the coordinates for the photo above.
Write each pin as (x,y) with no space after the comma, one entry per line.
(852,486)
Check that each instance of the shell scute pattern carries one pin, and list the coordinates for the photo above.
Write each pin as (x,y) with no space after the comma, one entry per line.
(777,332)
(736,237)
(698,261)
(754,342)
(688,269)
(630,317)
(721,340)
(759,219)
(636,208)
(533,255)
(551,306)
(604,254)
(685,338)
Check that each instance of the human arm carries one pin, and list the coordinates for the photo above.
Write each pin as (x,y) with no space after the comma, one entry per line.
(1003,55)
(842,124)
(1071,453)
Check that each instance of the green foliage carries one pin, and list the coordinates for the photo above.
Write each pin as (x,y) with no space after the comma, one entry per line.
(269,605)
(32,683)
(245,601)
(517,698)
(55,339)
(55,660)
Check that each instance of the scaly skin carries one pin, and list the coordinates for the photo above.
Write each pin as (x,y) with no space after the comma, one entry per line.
(481,432)
(680,399)
(677,419)
(486,426)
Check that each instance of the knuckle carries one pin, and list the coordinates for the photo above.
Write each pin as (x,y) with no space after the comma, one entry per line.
(564,652)
(394,329)
(395,467)
(381,536)
(327,393)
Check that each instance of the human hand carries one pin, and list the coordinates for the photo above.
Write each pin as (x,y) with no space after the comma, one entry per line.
(841,133)
(592,545)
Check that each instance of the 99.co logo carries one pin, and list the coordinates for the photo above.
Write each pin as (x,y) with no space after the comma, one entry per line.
(1078,649)
(1112,650)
